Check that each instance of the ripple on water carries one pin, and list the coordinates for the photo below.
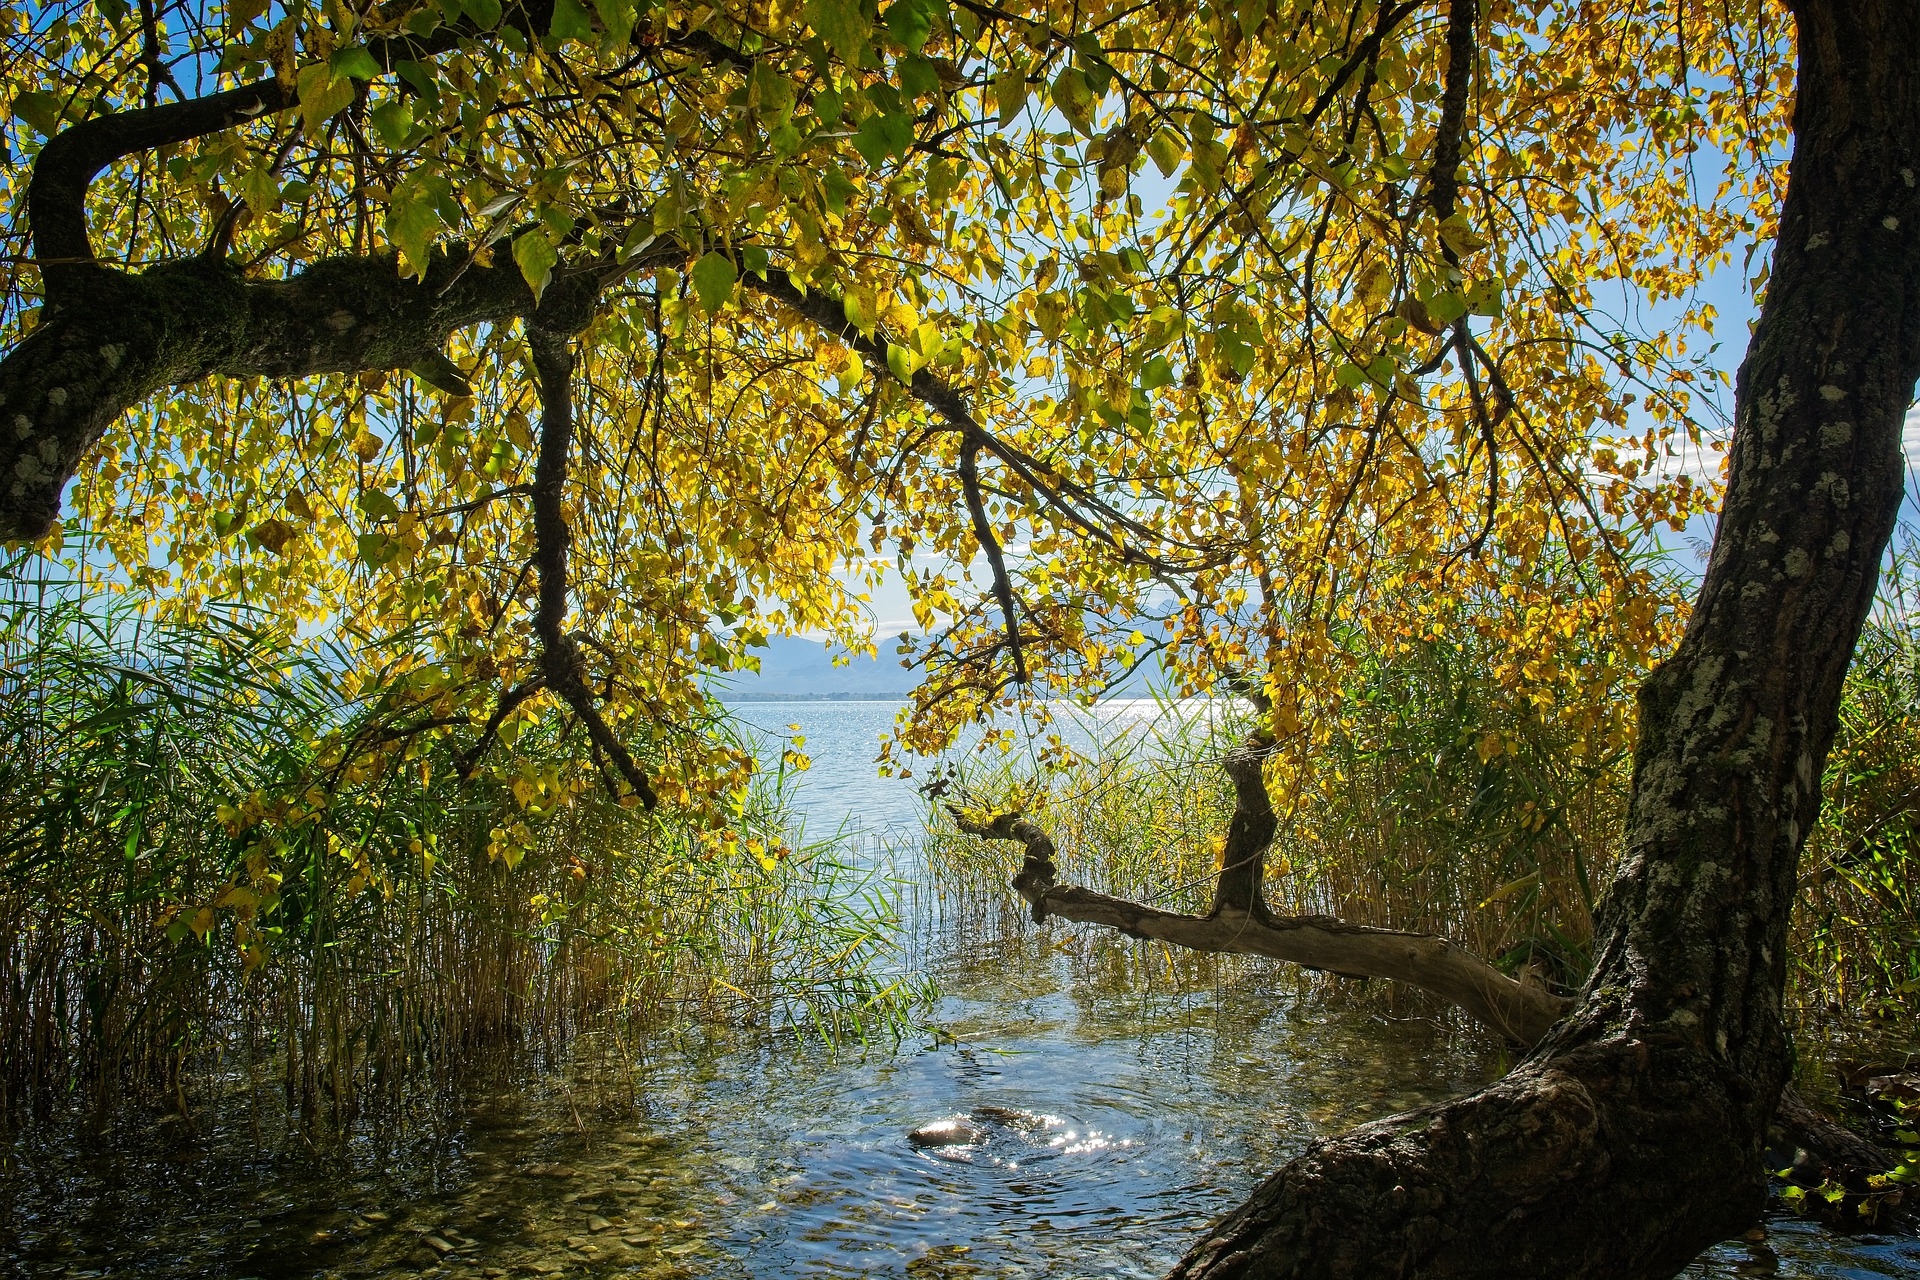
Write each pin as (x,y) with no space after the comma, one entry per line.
(1114,1125)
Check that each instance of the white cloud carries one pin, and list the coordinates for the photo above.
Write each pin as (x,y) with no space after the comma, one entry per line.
(1703,460)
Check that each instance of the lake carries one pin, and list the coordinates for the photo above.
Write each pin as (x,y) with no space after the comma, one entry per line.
(1126,1096)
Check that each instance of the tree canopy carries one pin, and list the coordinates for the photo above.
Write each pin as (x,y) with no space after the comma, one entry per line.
(1240,336)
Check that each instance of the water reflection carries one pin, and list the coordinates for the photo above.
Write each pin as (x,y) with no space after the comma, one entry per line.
(1116,1119)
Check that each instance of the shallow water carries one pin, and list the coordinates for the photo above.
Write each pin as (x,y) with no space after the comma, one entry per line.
(1127,1095)
(1119,1120)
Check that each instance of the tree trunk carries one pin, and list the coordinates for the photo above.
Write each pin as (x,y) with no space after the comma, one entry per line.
(1631,1138)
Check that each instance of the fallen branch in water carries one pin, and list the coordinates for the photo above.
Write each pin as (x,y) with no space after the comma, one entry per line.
(1240,923)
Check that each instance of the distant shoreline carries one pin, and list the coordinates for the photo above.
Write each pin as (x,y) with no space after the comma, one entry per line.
(815,697)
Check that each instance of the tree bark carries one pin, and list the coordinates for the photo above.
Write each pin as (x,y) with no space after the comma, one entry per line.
(116,338)
(1631,1138)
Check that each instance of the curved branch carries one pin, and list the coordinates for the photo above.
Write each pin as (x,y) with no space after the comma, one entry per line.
(123,337)
(1241,924)
(560,660)
(72,158)
(983,534)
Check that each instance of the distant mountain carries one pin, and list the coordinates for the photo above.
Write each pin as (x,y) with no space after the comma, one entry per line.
(793,669)
(796,670)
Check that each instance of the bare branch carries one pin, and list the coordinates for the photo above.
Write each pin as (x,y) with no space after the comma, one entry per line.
(559,655)
(984,535)
(1241,924)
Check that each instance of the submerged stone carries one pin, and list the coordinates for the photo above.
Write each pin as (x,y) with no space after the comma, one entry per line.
(954,1132)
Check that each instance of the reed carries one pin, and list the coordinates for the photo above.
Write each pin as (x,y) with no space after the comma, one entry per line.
(171,928)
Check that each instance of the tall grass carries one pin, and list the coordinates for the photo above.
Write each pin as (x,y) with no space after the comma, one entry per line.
(1856,946)
(210,876)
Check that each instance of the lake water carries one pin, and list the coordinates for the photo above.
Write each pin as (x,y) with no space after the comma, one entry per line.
(842,789)
(1127,1096)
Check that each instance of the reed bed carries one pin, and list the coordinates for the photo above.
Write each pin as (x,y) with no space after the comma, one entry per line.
(1405,820)
(409,922)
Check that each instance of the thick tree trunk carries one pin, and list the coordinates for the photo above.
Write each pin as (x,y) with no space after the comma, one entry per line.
(1631,1138)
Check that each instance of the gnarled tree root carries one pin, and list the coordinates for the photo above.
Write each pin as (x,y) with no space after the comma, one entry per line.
(1607,1162)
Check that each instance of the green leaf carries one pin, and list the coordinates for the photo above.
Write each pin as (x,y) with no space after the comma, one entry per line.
(842,25)
(259,188)
(917,76)
(1350,376)
(713,278)
(910,22)
(942,178)
(827,105)
(354,61)
(1446,306)
(1483,297)
(1156,374)
(393,121)
(838,188)
(323,95)
(882,136)
(903,362)
(1010,92)
(570,22)
(859,310)
(535,255)
(376,549)
(1074,99)
(39,110)
(421,76)
(617,17)
(378,503)
(411,225)
(1167,151)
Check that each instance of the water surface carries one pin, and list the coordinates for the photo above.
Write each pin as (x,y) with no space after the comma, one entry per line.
(1132,1094)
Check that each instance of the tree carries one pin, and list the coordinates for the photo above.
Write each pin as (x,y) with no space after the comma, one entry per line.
(1339,366)
(1631,1137)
